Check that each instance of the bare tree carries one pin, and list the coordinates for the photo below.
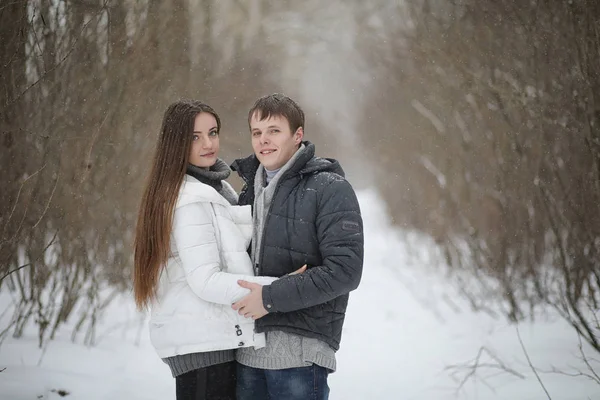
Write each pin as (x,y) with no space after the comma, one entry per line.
(493,140)
(83,88)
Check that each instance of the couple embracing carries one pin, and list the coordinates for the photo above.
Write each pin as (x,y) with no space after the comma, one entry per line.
(247,293)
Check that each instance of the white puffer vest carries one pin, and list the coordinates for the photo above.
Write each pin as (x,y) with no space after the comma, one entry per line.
(199,283)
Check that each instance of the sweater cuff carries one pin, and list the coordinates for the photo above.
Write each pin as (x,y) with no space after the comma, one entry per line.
(268,299)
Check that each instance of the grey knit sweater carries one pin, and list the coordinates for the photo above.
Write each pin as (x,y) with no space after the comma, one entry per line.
(213,176)
(283,350)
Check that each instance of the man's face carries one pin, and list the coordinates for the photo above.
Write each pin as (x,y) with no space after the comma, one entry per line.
(273,142)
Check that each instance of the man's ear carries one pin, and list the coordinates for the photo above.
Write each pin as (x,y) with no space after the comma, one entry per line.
(299,135)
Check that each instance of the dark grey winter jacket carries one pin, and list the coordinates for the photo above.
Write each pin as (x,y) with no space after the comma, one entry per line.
(314,219)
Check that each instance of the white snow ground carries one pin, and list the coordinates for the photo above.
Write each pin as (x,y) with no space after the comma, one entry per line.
(398,338)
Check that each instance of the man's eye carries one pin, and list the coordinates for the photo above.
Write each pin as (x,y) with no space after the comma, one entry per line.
(255,133)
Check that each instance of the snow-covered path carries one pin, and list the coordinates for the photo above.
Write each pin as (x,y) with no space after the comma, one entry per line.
(400,334)
(398,338)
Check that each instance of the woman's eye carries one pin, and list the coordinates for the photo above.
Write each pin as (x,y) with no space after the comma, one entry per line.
(213,133)
(195,137)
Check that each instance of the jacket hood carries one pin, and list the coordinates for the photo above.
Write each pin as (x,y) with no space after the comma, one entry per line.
(318,164)
(306,163)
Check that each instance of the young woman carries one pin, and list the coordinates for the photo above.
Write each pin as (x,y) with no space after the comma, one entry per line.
(190,250)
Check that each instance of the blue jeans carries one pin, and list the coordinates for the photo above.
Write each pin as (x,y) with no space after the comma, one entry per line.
(304,383)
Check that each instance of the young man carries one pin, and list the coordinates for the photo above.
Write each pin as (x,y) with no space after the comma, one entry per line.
(305,213)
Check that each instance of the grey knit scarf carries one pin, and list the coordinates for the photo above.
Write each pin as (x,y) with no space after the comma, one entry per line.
(214,177)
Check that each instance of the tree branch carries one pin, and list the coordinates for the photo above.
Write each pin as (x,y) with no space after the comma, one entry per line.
(28,264)
(531,364)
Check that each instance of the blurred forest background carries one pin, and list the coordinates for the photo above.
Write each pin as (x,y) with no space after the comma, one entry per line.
(477,120)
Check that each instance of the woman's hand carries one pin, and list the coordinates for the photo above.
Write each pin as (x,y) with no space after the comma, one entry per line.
(299,270)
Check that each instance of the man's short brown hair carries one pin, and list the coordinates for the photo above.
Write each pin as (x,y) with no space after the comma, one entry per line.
(278,105)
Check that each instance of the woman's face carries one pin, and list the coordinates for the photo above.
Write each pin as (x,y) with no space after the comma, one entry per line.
(205,142)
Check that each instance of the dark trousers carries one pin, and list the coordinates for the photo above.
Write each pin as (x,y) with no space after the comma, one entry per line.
(304,383)
(216,382)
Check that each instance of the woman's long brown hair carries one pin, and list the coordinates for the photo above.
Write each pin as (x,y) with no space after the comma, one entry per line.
(152,245)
